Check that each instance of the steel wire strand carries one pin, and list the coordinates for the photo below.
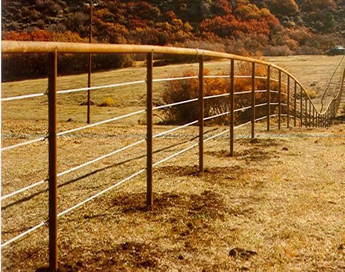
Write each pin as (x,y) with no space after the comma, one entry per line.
(217,115)
(95,160)
(242,125)
(216,136)
(73,169)
(216,96)
(174,129)
(243,109)
(116,185)
(175,104)
(94,88)
(72,208)
(23,144)
(22,97)
(23,234)
(76,129)
(101,122)
(260,105)
(246,92)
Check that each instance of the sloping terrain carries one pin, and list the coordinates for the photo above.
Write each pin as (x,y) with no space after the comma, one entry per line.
(277,205)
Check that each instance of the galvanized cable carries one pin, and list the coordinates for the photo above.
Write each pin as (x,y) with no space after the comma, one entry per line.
(101,87)
(174,129)
(216,136)
(100,123)
(72,169)
(242,125)
(260,105)
(24,143)
(72,208)
(23,234)
(329,83)
(101,193)
(243,109)
(246,92)
(216,96)
(175,104)
(217,115)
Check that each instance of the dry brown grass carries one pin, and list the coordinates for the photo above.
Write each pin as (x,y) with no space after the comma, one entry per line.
(277,205)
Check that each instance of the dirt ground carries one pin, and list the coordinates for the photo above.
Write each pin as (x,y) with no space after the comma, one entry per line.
(278,204)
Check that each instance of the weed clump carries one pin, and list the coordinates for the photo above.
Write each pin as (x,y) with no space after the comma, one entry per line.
(107,102)
(177,91)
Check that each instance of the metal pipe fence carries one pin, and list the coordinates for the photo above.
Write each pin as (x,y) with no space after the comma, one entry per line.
(308,115)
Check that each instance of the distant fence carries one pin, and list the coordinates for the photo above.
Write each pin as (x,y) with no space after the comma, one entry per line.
(298,110)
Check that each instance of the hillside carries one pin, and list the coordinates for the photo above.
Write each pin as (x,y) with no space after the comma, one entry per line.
(269,27)
(302,26)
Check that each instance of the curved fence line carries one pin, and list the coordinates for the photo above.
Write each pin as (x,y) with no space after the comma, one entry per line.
(295,92)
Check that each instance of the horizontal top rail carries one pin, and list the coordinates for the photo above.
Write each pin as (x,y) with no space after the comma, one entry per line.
(93,48)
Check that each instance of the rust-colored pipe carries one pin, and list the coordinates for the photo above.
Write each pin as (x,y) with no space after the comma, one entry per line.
(301,112)
(232,106)
(89,69)
(306,111)
(268,97)
(279,99)
(295,105)
(253,100)
(288,103)
(149,133)
(53,250)
(201,113)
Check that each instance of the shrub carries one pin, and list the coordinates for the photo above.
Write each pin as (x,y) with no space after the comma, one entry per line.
(107,102)
(35,65)
(177,91)
(312,94)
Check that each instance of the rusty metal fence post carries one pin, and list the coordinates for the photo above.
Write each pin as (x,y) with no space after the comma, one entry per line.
(149,116)
(268,97)
(310,113)
(53,250)
(279,98)
(253,100)
(201,113)
(232,106)
(306,111)
(295,105)
(288,102)
(301,107)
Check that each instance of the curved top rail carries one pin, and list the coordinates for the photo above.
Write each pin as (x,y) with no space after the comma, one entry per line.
(65,47)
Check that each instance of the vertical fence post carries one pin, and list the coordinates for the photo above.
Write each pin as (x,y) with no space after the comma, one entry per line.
(268,97)
(253,100)
(279,99)
(306,111)
(89,69)
(309,113)
(295,105)
(288,102)
(149,114)
(301,107)
(232,106)
(201,113)
(89,92)
(53,250)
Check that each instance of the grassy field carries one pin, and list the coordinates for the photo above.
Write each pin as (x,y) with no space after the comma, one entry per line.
(277,205)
